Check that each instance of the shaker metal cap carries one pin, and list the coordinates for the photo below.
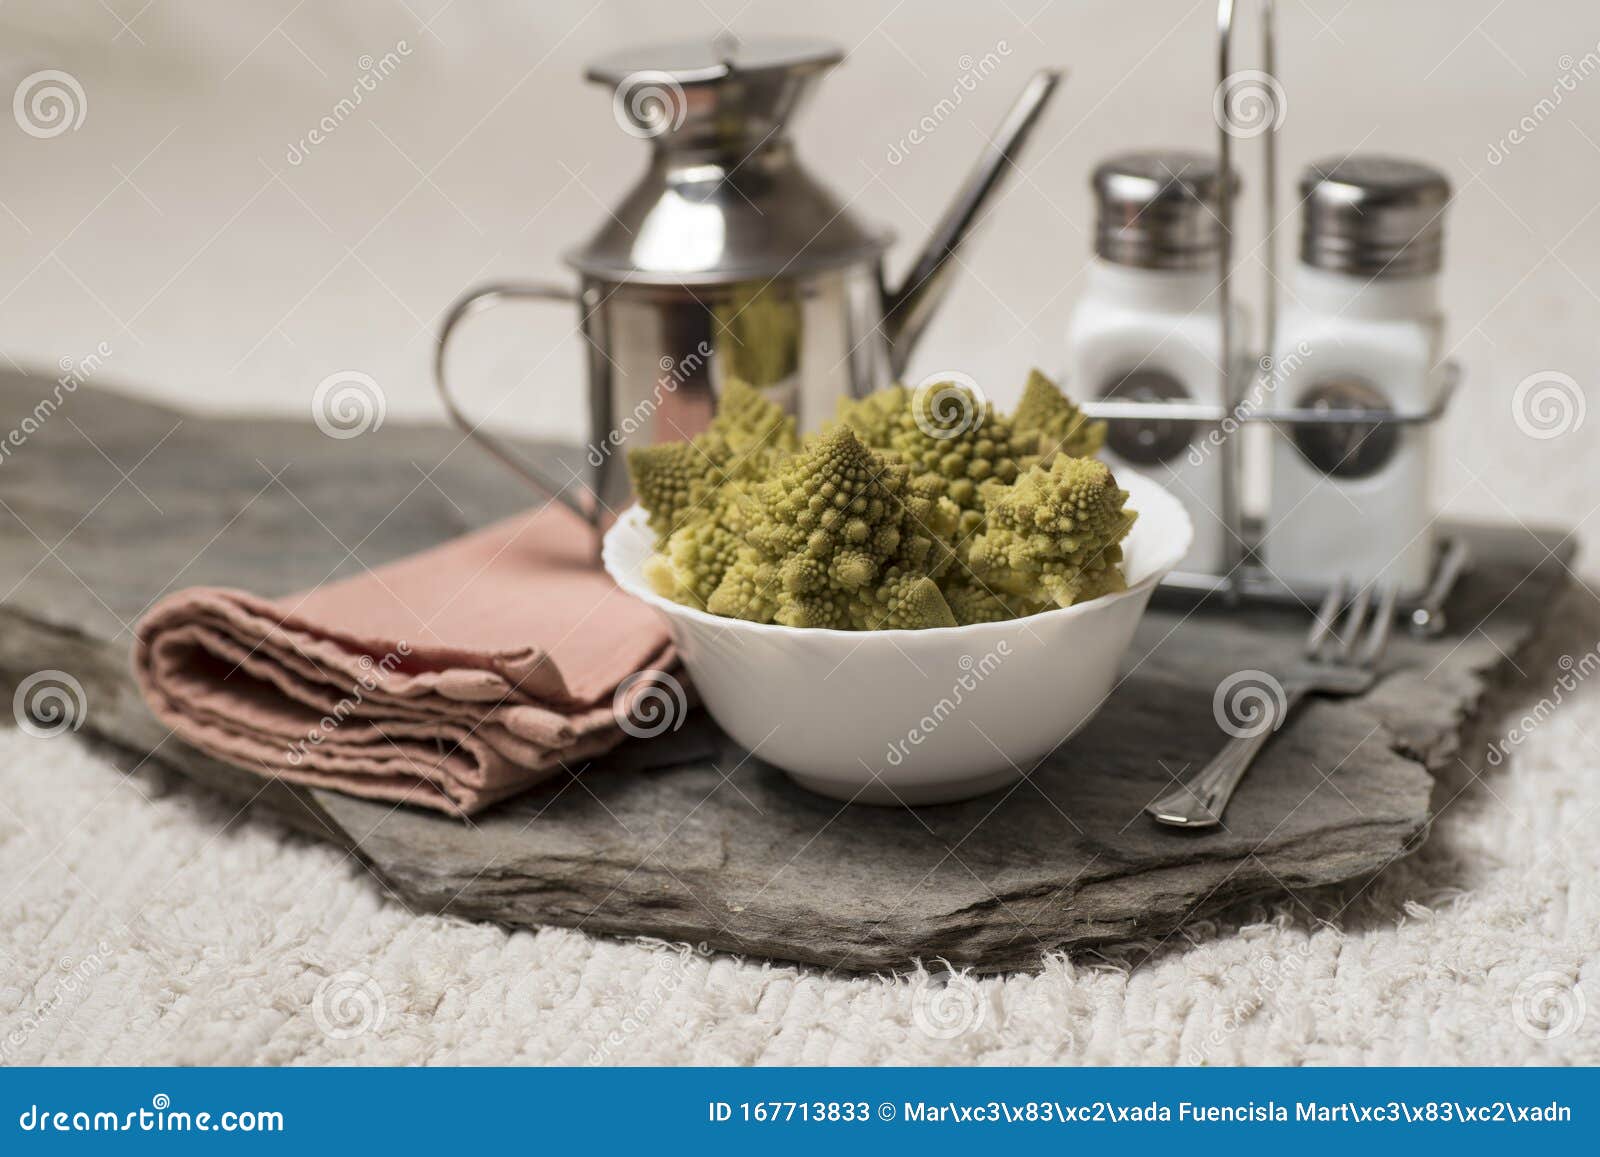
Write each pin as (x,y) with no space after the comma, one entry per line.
(1160,210)
(1374,216)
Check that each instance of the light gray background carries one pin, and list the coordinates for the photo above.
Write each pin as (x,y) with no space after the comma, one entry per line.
(172,226)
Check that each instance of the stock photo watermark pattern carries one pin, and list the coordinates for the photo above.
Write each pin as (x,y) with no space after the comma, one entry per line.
(1249,103)
(947,1005)
(49,703)
(973,72)
(973,673)
(1571,73)
(649,703)
(49,103)
(74,373)
(70,980)
(1548,404)
(948,404)
(674,373)
(1270,974)
(1275,372)
(649,103)
(1249,703)
(673,967)
(348,404)
(373,72)
(1549,1005)
(349,1004)
(1573,674)
(369,680)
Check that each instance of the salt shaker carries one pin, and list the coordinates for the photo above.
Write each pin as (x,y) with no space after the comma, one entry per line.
(1147,328)
(1362,319)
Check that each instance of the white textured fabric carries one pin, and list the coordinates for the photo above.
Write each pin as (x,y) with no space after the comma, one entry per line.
(142,923)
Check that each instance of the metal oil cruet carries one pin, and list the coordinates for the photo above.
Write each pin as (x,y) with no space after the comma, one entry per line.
(727,258)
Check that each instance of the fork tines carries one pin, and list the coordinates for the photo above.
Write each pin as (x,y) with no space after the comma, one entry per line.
(1371,611)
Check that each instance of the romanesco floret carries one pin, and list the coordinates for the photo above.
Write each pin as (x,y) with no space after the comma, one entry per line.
(762,320)
(749,427)
(1047,413)
(691,564)
(676,481)
(1056,534)
(972,602)
(874,416)
(946,431)
(835,540)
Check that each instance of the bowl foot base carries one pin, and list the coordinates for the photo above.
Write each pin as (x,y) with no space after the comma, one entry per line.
(880,794)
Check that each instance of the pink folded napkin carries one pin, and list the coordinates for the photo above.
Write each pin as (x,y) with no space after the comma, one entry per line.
(452,679)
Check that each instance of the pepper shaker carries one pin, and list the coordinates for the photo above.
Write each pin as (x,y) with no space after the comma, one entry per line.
(1362,319)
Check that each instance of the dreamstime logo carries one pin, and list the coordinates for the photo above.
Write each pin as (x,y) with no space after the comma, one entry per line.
(1548,404)
(1268,973)
(1248,703)
(1274,373)
(649,703)
(49,103)
(674,372)
(948,404)
(49,703)
(72,977)
(973,672)
(973,72)
(347,404)
(1571,74)
(74,373)
(1549,1004)
(1573,673)
(945,1009)
(649,103)
(673,966)
(348,1004)
(1249,103)
(373,672)
(373,72)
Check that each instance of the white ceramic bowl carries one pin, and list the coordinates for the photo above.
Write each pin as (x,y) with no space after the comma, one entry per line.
(913,717)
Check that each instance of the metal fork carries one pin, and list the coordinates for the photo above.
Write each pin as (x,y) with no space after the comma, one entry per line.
(1337,662)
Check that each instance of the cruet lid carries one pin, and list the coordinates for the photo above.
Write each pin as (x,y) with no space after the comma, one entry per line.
(724,198)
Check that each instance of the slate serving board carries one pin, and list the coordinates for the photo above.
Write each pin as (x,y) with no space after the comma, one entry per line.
(108,503)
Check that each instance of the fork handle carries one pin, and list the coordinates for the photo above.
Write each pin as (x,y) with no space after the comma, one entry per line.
(1201,802)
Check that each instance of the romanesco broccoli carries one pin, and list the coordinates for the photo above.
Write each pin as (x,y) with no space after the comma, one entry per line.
(676,481)
(835,540)
(1060,427)
(919,508)
(1056,535)
(947,432)
(695,557)
(762,320)
(972,602)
